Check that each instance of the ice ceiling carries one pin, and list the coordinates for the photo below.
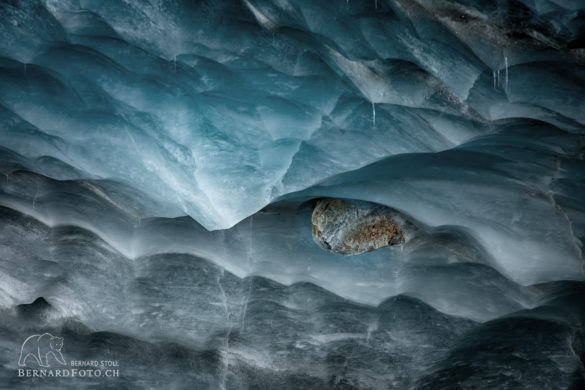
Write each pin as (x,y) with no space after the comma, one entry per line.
(169,152)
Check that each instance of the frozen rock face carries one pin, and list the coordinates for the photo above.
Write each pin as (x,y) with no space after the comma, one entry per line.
(349,227)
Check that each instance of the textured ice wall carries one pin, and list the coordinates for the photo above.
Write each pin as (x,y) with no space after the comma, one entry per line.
(466,116)
(216,108)
(180,306)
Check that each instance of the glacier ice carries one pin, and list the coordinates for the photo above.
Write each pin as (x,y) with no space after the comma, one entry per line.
(160,161)
(211,122)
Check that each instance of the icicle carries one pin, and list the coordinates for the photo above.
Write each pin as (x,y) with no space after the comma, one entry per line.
(175,62)
(495,80)
(506,73)
(251,249)
(374,114)
(376,3)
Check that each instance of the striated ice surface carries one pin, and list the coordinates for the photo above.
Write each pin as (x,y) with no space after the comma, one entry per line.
(160,162)
(217,108)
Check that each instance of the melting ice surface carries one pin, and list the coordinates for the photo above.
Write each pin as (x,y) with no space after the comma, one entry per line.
(160,161)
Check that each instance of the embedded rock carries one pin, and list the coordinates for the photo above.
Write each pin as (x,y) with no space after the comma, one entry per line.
(350,227)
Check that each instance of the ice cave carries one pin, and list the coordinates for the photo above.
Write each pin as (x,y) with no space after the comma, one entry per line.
(292,194)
